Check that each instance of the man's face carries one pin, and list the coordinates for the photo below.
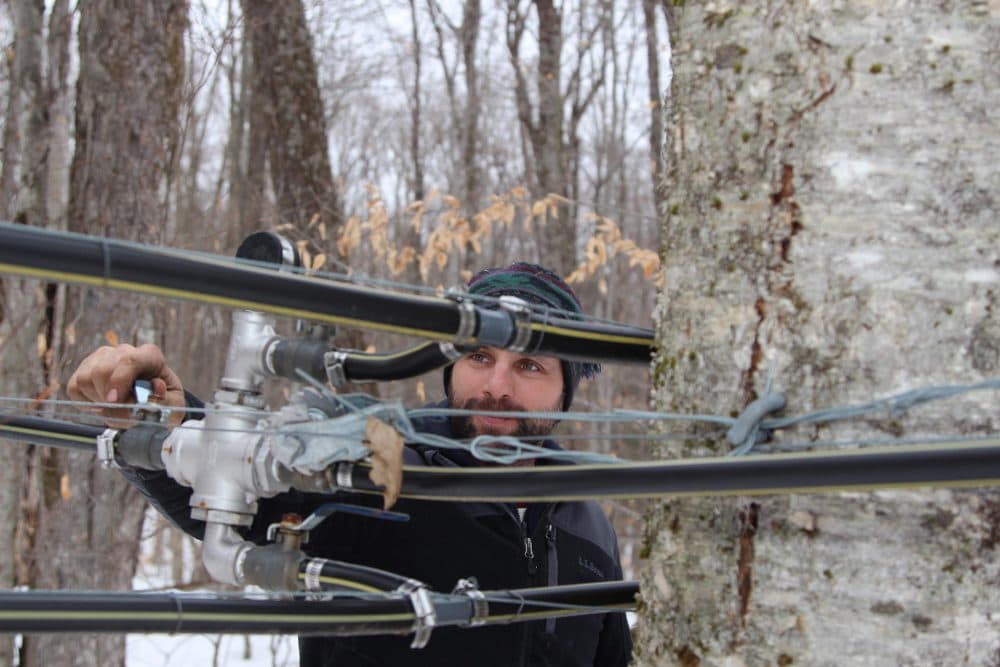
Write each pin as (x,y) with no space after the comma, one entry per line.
(495,379)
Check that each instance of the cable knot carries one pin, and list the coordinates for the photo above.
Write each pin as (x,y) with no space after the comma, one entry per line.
(745,431)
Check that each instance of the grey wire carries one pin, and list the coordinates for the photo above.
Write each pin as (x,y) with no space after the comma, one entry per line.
(894,405)
(507,450)
(616,415)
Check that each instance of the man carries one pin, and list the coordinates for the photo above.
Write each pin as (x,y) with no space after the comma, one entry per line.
(500,545)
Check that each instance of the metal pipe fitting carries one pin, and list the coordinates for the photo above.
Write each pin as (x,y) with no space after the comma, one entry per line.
(224,552)
(245,358)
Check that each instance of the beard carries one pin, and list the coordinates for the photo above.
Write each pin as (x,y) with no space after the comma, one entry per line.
(465,427)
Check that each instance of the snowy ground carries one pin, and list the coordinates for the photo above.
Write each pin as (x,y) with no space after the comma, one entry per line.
(163,650)
(221,650)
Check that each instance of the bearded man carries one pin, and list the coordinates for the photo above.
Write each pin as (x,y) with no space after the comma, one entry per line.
(502,546)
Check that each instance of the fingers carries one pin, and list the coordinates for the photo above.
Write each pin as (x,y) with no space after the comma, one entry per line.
(130,364)
(159,386)
(90,380)
(108,374)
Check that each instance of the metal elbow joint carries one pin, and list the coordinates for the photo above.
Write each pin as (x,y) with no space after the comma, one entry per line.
(224,553)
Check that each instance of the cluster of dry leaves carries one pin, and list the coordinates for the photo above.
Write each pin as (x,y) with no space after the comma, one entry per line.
(443,229)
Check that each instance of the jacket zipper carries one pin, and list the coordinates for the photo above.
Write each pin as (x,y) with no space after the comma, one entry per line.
(529,549)
(529,556)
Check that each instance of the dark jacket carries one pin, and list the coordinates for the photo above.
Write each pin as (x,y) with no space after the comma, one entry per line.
(559,543)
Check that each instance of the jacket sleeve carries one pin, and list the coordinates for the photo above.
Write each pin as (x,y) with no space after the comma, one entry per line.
(614,647)
(615,644)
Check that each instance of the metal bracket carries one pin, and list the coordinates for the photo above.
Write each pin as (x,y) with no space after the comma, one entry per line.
(106,448)
(521,313)
(423,609)
(480,607)
(334,363)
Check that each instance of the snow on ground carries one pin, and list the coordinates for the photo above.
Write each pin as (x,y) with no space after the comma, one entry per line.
(165,650)
(221,650)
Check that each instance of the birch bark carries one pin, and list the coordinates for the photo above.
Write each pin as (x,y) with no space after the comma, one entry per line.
(832,215)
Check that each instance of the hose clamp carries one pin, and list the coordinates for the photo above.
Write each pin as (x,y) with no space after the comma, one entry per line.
(334,364)
(466,317)
(311,577)
(480,607)
(344,470)
(449,351)
(520,311)
(106,448)
(423,610)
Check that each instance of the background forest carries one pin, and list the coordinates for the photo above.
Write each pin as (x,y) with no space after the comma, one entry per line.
(414,141)
(814,210)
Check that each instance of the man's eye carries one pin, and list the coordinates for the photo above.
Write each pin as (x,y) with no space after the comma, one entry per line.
(478,357)
(530,365)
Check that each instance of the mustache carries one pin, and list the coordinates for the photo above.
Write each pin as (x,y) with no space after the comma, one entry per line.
(491,404)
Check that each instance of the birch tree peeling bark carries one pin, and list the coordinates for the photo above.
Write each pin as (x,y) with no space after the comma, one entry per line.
(831,216)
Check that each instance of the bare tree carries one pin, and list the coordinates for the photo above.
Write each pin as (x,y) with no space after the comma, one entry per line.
(291,124)
(33,192)
(416,158)
(551,125)
(831,214)
(22,188)
(88,520)
(656,94)
(464,113)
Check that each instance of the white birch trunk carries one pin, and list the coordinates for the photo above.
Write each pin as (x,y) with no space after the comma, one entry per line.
(832,214)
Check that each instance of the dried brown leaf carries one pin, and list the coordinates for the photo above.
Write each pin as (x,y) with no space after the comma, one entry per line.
(387,459)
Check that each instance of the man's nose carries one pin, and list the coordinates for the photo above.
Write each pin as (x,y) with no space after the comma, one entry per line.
(500,382)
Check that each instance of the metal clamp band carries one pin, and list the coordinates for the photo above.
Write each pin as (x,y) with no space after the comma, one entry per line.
(466,316)
(106,448)
(334,364)
(480,607)
(344,470)
(423,609)
(310,578)
(521,312)
(450,351)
